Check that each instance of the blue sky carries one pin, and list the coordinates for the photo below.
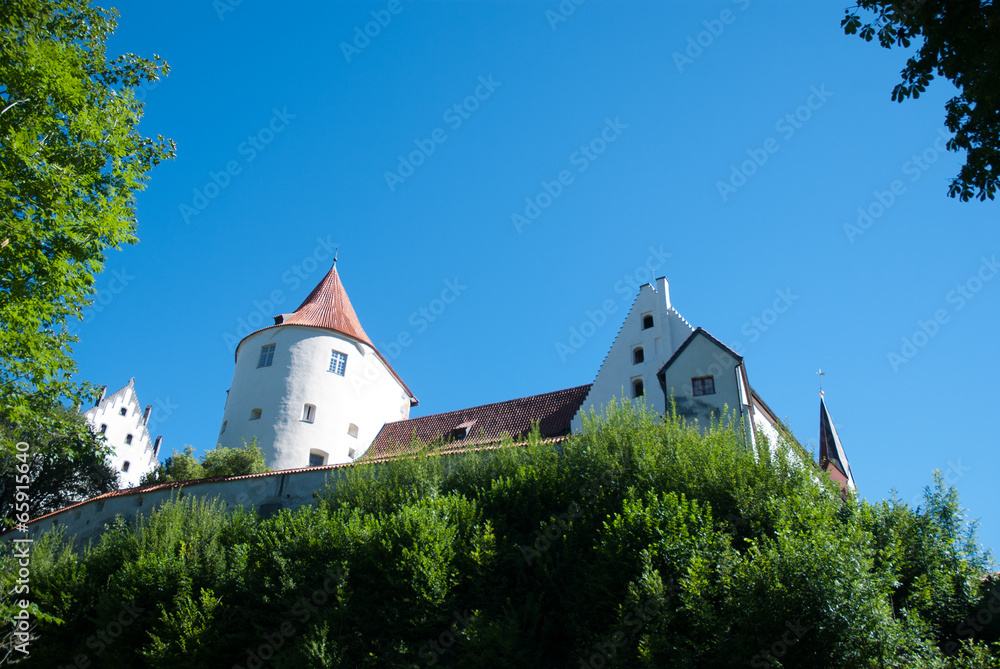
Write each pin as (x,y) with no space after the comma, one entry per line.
(730,146)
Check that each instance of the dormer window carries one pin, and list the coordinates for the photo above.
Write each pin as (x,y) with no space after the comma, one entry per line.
(338,363)
(703,385)
(266,356)
(123,411)
(637,389)
(647,321)
(637,356)
(128,438)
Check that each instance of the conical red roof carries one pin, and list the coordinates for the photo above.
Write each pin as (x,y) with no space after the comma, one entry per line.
(328,306)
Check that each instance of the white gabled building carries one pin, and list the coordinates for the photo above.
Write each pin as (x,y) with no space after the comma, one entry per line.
(312,388)
(652,331)
(124,425)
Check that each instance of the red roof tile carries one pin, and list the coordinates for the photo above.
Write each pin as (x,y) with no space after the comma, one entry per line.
(328,307)
(483,424)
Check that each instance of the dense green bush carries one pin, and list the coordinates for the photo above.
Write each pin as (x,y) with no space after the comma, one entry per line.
(640,543)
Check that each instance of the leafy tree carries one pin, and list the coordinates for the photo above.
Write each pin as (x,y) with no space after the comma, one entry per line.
(71,161)
(220,461)
(58,469)
(958,40)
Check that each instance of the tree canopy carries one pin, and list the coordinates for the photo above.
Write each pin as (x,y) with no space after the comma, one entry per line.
(958,39)
(220,461)
(71,161)
(640,543)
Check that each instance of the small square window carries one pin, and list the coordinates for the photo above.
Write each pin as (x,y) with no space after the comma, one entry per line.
(638,356)
(703,385)
(308,413)
(125,466)
(338,363)
(128,438)
(123,411)
(647,321)
(266,355)
(255,414)
(352,430)
(317,459)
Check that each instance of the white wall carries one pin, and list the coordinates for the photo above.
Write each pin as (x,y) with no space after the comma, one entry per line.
(658,343)
(368,395)
(702,357)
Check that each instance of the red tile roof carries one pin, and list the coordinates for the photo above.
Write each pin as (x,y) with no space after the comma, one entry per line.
(329,308)
(483,424)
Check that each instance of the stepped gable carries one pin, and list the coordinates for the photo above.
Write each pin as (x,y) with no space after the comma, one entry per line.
(483,424)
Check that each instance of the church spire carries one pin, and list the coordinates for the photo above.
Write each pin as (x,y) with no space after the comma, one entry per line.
(831,452)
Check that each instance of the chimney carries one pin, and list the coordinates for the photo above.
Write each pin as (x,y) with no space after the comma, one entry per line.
(104,391)
(156,445)
(145,414)
(663,288)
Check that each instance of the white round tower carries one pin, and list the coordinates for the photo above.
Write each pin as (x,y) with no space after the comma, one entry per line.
(312,388)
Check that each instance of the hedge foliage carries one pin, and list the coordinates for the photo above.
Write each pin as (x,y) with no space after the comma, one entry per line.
(641,542)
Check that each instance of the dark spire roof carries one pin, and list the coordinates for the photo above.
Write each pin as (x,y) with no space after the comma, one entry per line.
(831,452)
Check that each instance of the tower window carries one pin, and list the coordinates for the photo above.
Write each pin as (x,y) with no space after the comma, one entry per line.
(128,438)
(123,411)
(317,458)
(125,466)
(703,385)
(351,453)
(255,414)
(338,363)
(637,389)
(104,428)
(266,356)
(309,413)
(637,356)
(353,430)
(647,321)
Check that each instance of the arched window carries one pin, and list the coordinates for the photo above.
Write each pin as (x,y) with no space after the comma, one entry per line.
(128,438)
(104,428)
(637,390)
(123,411)
(647,321)
(317,458)
(637,355)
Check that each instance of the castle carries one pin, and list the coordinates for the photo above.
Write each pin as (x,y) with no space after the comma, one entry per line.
(317,394)
(126,429)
